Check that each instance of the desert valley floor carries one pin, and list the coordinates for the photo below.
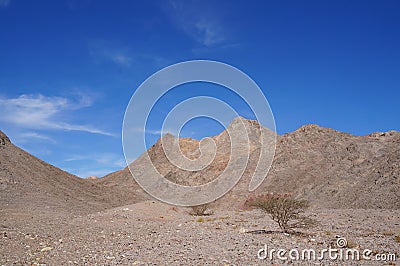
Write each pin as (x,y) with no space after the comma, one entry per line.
(153,233)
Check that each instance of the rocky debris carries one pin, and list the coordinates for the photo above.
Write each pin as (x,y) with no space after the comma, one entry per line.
(46,249)
(140,237)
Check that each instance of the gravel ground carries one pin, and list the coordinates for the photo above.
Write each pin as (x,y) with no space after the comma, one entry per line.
(152,233)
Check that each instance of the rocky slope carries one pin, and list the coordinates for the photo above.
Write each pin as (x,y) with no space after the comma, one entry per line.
(28,183)
(338,170)
(330,168)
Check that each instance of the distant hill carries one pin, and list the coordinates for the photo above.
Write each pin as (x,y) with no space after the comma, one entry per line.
(28,184)
(330,168)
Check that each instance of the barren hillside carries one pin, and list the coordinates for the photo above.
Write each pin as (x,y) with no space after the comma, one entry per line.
(338,170)
(28,183)
(330,168)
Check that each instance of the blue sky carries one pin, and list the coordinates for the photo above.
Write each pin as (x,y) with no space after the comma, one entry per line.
(68,68)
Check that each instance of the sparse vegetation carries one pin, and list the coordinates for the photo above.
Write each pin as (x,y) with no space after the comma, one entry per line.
(201,210)
(397,238)
(216,218)
(283,209)
(351,244)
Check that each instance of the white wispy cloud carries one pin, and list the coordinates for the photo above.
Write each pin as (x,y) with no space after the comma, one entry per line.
(123,55)
(84,173)
(157,131)
(208,32)
(102,50)
(105,159)
(96,164)
(36,111)
(198,22)
(28,136)
(4,3)
(121,59)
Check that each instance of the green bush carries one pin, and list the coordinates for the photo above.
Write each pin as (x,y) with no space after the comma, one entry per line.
(283,209)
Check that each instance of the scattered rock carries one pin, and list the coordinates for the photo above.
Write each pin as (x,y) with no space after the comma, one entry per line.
(46,249)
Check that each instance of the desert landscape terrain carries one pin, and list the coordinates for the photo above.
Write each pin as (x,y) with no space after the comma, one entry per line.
(51,217)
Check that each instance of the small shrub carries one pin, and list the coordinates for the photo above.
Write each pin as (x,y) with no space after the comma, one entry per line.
(397,238)
(351,244)
(200,220)
(283,209)
(201,210)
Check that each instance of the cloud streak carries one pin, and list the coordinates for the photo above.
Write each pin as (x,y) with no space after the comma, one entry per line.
(104,51)
(32,111)
(24,137)
(4,3)
(108,159)
(156,132)
(208,33)
(122,55)
(104,163)
(197,22)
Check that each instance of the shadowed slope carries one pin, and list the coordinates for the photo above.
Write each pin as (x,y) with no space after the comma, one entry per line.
(30,185)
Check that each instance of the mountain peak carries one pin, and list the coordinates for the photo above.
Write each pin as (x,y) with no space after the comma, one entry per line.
(248,123)
(3,138)
(310,127)
(314,128)
(243,119)
(167,136)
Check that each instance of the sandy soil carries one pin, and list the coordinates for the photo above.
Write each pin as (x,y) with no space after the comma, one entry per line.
(152,233)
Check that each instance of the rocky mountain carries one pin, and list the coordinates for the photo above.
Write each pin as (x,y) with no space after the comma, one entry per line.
(338,170)
(28,183)
(194,149)
(330,168)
